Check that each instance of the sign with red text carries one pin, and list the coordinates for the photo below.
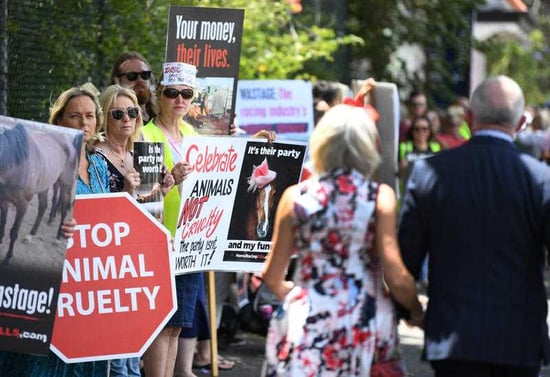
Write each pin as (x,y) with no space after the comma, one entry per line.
(284,106)
(210,39)
(229,201)
(117,290)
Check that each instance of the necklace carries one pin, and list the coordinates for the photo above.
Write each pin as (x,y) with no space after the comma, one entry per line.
(117,156)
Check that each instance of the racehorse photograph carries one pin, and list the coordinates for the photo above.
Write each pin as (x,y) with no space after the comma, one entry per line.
(262,181)
(38,168)
(261,185)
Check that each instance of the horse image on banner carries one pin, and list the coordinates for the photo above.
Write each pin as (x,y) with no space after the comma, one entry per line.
(261,184)
(32,163)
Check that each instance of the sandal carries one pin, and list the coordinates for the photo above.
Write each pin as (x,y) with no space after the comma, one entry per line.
(223,364)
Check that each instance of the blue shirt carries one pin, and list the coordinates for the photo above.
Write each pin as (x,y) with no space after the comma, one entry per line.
(99,177)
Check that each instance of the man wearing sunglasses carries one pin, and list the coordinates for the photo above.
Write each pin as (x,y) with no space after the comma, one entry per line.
(133,71)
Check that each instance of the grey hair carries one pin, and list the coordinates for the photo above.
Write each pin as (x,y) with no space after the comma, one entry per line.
(498,101)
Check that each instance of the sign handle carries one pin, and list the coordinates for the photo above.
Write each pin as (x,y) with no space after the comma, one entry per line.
(213,326)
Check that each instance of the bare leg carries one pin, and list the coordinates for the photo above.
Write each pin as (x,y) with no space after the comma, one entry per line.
(156,358)
(203,356)
(184,364)
(172,352)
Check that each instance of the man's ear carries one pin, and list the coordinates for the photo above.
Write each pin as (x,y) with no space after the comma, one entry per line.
(521,124)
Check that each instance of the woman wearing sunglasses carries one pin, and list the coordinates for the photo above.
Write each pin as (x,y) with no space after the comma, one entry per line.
(175,93)
(120,128)
(420,143)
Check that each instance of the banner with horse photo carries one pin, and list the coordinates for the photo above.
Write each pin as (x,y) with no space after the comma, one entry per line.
(229,201)
(210,39)
(38,170)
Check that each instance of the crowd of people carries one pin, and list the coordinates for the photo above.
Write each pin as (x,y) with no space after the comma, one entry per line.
(473,222)
(476,206)
(126,111)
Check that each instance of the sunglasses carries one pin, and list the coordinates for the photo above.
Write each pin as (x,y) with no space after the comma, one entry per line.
(117,114)
(132,76)
(174,93)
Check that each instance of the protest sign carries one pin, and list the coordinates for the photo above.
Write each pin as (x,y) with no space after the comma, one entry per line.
(38,165)
(229,201)
(284,106)
(385,99)
(209,39)
(148,161)
(117,290)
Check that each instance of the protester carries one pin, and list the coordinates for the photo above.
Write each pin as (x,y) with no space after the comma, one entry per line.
(132,70)
(464,129)
(534,137)
(175,93)
(121,127)
(450,135)
(326,94)
(76,108)
(482,213)
(337,317)
(417,105)
(420,143)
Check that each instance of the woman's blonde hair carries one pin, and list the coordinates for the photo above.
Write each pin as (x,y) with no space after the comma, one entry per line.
(345,137)
(57,109)
(107,98)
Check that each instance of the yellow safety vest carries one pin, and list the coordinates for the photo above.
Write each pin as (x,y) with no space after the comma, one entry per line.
(406,147)
(151,132)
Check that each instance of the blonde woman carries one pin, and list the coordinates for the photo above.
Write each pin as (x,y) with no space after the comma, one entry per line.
(120,128)
(341,225)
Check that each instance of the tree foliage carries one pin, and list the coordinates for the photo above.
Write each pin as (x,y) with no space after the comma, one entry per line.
(438,28)
(525,61)
(56,44)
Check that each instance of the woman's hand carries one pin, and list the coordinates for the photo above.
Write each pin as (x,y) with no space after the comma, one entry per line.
(266,134)
(131,181)
(366,88)
(67,228)
(180,171)
(167,181)
(416,319)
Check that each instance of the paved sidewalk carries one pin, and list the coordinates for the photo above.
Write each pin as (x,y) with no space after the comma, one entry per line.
(249,355)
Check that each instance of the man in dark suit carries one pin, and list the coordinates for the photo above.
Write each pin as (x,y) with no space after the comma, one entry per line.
(482,212)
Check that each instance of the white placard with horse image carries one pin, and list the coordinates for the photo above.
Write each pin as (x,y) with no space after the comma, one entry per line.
(229,201)
(38,170)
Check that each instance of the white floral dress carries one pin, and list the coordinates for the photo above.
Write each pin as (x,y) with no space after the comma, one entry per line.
(338,319)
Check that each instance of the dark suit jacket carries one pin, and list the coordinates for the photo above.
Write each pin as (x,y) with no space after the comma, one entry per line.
(482,212)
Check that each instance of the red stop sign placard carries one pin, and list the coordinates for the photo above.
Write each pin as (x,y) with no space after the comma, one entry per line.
(117,291)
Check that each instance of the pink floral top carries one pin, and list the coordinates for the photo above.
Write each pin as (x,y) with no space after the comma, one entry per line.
(338,318)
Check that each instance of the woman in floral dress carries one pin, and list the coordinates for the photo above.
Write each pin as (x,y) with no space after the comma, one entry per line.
(337,317)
